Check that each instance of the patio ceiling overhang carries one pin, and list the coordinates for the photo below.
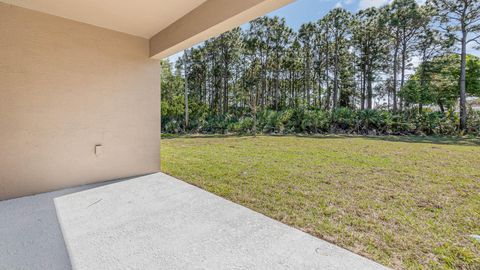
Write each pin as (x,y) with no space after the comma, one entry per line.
(208,20)
(170,25)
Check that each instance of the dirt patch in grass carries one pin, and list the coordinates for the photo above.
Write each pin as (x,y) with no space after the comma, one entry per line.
(408,203)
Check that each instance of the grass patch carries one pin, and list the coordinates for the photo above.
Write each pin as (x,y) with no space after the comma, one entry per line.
(406,202)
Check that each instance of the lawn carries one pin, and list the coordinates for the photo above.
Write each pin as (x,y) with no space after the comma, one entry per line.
(406,202)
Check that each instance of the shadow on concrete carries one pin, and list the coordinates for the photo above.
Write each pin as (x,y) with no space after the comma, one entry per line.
(30,235)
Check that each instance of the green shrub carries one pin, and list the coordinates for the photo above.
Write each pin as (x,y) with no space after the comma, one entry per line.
(243,126)
(218,123)
(429,123)
(448,125)
(274,122)
(343,119)
(172,127)
(401,125)
(315,122)
(473,122)
(373,121)
(294,125)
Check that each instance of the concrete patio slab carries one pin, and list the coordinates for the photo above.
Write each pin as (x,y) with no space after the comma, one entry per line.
(30,236)
(159,222)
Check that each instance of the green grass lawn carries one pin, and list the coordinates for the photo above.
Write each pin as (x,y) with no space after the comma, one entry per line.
(406,202)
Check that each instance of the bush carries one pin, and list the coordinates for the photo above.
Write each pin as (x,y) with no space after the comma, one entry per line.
(341,120)
(373,121)
(243,126)
(172,127)
(448,126)
(217,124)
(297,116)
(315,122)
(274,122)
(429,123)
(401,125)
(473,122)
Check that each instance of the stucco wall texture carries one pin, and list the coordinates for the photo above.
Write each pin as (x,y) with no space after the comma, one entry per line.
(65,87)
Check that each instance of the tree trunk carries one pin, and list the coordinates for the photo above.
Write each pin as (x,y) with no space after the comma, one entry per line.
(277,75)
(422,83)
(404,59)
(225,85)
(327,66)
(363,87)
(369,89)
(388,97)
(442,108)
(395,66)
(186,91)
(309,79)
(319,89)
(335,75)
(463,95)
(254,112)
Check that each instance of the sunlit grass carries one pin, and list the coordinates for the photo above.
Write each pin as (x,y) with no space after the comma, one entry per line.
(407,202)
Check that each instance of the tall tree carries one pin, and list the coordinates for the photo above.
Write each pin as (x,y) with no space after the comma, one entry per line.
(340,21)
(230,46)
(339,61)
(461,20)
(324,28)
(369,41)
(281,36)
(185,76)
(305,35)
(429,45)
(402,20)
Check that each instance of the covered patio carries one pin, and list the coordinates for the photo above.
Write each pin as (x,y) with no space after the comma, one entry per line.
(80,106)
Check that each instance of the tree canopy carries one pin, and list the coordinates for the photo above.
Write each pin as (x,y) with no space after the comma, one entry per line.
(398,58)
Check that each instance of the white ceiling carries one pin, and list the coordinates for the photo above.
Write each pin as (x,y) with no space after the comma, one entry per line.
(142,18)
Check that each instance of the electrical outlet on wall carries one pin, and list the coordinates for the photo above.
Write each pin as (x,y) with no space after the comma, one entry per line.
(98,150)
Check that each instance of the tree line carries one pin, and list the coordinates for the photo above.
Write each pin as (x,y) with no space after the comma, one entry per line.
(343,61)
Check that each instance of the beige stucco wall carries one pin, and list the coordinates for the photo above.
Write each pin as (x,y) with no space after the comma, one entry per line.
(66,86)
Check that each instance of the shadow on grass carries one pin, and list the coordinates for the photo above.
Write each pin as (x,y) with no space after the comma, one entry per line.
(219,136)
(204,136)
(429,139)
(445,140)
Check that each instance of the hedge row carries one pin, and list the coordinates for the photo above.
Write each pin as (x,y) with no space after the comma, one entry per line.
(342,120)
